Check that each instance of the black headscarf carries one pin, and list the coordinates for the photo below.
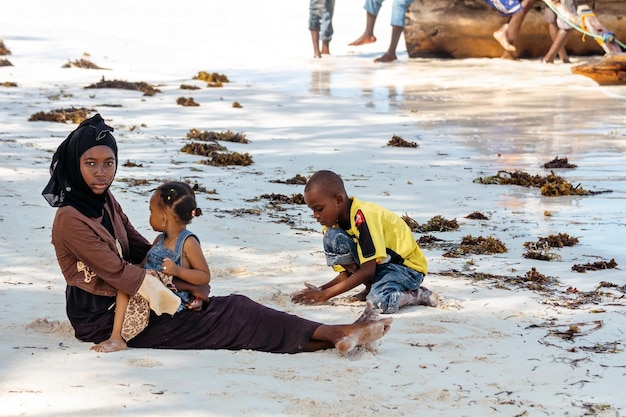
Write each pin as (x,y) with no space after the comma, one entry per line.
(67,186)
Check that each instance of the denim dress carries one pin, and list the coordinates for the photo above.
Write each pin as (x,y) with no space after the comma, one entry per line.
(158,252)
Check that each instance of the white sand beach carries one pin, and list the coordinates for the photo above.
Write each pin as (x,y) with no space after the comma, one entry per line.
(494,347)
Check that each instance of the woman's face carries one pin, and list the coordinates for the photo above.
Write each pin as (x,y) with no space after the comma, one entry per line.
(97,166)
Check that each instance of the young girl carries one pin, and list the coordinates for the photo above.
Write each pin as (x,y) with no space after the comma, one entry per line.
(172,208)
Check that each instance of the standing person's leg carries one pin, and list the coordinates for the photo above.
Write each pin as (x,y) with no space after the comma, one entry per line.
(326,27)
(559,39)
(315,18)
(398,16)
(515,25)
(372,7)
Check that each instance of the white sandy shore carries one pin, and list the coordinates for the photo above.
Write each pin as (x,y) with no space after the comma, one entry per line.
(491,349)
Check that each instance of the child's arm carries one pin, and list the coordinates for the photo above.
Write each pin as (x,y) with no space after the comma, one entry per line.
(115,342)
(195,269)
(342,283)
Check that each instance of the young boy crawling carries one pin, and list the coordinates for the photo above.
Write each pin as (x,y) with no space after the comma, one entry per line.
(366,244)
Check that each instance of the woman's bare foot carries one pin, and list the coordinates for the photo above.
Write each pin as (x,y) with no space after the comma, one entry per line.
(503,40)
(110,345)
(363,40)
(359,334)
(387,57)
(369,314)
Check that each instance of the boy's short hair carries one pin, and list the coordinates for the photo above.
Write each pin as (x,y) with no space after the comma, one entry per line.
(327,182)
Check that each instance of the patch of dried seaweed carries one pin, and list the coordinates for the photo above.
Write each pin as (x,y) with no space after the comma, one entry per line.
(477,246)
(189,87)
(197,188)
(295,180)
(202,149)
(145,88)
(431,242)
(187,102)
(225,159)
(236,105)
(5,63)
(8,84)
(131,164)
(476,216)
(559,163)
(213,79)
(283,199)
(3,49)
(226,136)
(398,141)
(136,182)
(437,223)
(69,115)
(554,241)
(595,266)
(550,185)
(82,63)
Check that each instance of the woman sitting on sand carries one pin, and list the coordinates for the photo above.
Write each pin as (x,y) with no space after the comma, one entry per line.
(99,252)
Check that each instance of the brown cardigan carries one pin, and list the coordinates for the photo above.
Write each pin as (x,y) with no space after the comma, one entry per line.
(88,255)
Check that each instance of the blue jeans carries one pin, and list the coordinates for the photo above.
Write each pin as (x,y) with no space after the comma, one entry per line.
(321,18)
(398,10)
(390,280)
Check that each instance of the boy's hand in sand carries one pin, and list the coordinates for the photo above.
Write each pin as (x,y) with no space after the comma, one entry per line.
(310,295)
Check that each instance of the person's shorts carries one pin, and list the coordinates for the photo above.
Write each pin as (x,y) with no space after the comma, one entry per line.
(551,17)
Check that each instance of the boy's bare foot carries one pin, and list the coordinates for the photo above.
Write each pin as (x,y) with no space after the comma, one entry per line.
(363,333)
(387,57)
(363,40)
(503,40)
(110,345)
(421,296)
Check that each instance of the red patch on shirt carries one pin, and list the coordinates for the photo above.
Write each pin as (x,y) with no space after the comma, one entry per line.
(359,218)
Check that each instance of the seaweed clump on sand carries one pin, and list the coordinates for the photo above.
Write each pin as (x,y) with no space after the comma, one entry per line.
(5,63)
(213,79)
(202,149)
(82,63)
(226,158)
(399,142)
(69,115)
(550,185)
(437,223)
(145,88)
(476,215)
(595,266)
(187,102)
(477,246)
(295,180)
(8,84)
(188,87)
(559,163)
(541,249)
(3,49)
(226,136)
(284,199)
